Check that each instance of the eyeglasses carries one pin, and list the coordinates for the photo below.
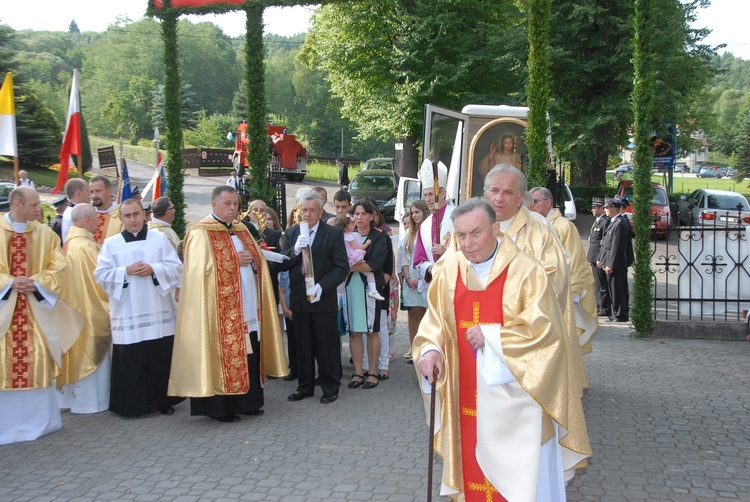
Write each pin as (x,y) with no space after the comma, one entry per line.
(536,201)
(170,208)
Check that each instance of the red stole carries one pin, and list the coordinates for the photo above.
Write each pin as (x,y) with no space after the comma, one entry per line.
(232,325)
(472,308)
(101,227)
(21,329)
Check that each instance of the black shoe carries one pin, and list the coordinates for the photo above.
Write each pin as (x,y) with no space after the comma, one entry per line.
(290,377)
(228,419)
(329,399)
(297,396)
(255,413)
(368,384)
(622,319)
(167,411)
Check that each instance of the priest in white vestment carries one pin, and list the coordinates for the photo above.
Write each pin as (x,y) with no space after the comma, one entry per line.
(83,383)
(139,270)
(508,424)
(35,322)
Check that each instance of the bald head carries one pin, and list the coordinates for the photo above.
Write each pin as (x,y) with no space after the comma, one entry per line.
(24,204)
(84,216)
(77,190)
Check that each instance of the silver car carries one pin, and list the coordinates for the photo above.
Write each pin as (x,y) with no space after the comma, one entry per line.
(713,207)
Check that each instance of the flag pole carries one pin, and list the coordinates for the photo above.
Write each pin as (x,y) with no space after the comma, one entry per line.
(15,170)
(119,178)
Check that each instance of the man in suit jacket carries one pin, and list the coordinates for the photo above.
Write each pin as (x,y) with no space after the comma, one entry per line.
(313,319)
(603,301)
(343,174)
(615,257)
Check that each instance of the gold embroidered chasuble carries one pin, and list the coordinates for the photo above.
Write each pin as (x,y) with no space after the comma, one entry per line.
(32,336)
(166,229)
(86,296)
(533,344)
(210,353)
(109,224)
(533,234)
(581,278)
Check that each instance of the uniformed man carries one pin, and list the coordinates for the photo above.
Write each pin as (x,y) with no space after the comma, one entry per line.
(603,301)
(615,256)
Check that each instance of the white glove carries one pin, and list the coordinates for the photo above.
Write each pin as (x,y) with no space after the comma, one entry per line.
(317,291)
(302,242)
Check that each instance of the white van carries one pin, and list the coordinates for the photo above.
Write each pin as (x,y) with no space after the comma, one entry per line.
(470,143)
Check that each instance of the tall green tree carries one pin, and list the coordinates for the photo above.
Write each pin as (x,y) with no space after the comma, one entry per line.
(385,59)
(38,131)
(592,79)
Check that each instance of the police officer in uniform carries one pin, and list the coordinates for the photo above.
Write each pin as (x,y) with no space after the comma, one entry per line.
(601,290)
(615,256)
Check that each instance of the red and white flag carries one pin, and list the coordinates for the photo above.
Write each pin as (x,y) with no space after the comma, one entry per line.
(72,140)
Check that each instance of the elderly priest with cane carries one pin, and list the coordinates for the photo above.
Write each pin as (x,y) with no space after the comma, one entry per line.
(508,425)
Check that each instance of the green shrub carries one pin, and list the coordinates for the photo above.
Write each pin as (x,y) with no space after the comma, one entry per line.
(584,194)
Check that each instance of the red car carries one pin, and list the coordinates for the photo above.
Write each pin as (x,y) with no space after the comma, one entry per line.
(660,212)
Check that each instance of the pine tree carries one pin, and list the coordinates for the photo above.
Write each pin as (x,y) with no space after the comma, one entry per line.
(73,27)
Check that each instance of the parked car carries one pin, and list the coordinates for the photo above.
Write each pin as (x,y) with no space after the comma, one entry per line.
(569,204)
(381,185)
(5,189)
(723,171)
(381,163)
(660,210)
(681,168)
(622,169)
(731,172)
(714,207)
(696,169)
(710,172)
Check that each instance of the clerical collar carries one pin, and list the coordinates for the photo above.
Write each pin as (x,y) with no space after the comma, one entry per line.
(228,225)
(492,255)
(17,227)
(104,211)
(131,237)
(483,269)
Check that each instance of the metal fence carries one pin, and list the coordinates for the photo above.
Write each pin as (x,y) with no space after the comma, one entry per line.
(702,273)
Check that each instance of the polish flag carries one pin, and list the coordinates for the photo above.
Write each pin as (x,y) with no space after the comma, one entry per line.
(160,178)
(72,141)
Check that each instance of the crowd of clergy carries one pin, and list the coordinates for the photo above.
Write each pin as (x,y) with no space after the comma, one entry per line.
(117,313)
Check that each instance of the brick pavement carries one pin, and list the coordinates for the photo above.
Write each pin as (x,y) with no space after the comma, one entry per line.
(668,420)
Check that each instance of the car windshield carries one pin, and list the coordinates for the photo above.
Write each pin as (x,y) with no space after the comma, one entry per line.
(658,198)
(373,182)
(379,164)
(728,202)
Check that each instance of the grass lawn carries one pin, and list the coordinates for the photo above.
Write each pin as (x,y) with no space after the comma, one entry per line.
(327,172)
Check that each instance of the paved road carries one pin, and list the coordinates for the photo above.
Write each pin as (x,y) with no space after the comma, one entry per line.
(668,421)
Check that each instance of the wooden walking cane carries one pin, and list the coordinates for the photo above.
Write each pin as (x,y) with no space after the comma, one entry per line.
(431,454)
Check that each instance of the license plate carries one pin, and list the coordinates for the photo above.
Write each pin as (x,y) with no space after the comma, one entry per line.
(653,227)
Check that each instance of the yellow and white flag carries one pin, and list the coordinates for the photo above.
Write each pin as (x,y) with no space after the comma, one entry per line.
(8,143)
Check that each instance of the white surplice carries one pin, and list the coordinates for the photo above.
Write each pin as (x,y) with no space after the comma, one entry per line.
(140,307)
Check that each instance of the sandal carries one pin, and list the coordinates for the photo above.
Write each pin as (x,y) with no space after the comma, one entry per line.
(370,385)
(356,383)
(383,376)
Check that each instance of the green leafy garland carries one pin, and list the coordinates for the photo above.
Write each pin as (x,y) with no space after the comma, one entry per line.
(173,116)
(643,109)
(256,103)
(537,90)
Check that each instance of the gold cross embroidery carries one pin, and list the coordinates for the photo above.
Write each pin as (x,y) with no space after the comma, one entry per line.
(485,487)
(474,317)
